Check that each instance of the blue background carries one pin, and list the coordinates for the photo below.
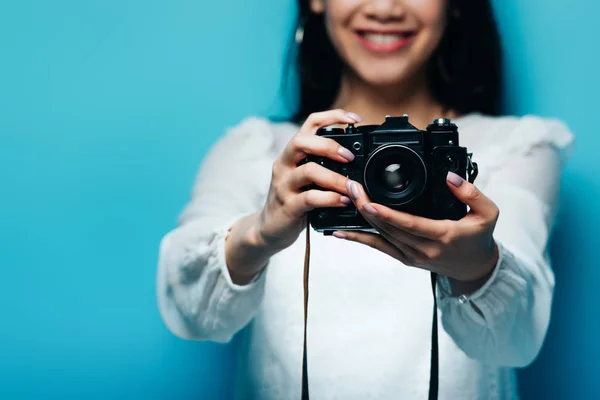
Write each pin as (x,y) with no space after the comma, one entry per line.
(106,110)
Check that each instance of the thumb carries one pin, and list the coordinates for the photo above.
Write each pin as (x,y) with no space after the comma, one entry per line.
(471,196)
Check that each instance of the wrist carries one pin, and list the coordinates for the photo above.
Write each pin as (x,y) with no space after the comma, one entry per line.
(257,238)
(246,253)
(487,268)
(270,240)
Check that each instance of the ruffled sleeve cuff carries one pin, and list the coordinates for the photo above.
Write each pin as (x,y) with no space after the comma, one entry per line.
(235,304)
(210,305)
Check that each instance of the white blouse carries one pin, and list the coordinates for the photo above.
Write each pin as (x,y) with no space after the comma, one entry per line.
(369,326)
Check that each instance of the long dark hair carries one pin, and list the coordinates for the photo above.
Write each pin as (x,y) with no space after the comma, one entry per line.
(464,72)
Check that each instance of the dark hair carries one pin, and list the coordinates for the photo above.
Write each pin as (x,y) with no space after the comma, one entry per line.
(464,72)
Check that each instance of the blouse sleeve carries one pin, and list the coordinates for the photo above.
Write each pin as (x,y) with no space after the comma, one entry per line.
(196,296)
(522,177)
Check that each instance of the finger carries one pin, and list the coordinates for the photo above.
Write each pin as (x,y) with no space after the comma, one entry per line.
(311,172)
(311,199)
(392,233)
(472,197)
(414,225)
(414,256)
(362,203)
(321,119)
(299,146)
(400,237)
(376,242)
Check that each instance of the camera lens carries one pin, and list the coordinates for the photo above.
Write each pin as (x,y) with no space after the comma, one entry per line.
(395,175)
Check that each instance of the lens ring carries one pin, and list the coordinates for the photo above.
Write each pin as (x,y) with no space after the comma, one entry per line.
(377,192)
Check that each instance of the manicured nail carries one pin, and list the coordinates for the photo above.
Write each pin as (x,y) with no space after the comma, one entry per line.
(349,188)
(353,190)
(454,179)
(345,200)
(347,154)
(339,235)
(369,209)
(355,117)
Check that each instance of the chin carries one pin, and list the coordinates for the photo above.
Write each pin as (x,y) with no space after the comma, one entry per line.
(385,77)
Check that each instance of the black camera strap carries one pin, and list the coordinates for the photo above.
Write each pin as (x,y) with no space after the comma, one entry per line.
(472,172)
(433,380)
(306,270)
(434,366)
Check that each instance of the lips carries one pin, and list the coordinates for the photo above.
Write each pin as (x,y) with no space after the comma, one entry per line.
(384,42)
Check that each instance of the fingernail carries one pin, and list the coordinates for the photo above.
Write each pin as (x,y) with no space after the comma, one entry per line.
(354,192)
(355,117)
(369,209)
(454,179)
(339,235)
(347,154)
(345,200)
(349,188)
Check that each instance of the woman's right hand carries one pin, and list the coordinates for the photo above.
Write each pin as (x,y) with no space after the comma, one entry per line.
(254,239)
(281,220)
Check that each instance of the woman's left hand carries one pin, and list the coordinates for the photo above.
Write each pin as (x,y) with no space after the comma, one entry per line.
(463,250)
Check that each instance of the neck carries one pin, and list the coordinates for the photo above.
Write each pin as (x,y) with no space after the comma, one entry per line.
(373,103)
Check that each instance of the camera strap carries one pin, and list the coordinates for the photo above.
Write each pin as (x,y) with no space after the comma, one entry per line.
(434,366)
(433,380)
(306,270)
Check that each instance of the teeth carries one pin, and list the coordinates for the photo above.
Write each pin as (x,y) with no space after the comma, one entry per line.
(380,38)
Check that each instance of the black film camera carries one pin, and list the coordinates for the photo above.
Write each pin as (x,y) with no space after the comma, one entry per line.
(399,166)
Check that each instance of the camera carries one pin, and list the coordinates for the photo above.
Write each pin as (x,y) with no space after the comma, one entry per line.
(399,166)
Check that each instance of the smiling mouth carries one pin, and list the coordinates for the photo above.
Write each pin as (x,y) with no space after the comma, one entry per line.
(384,42)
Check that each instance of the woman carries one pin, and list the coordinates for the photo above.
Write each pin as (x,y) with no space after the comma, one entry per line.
(235,260)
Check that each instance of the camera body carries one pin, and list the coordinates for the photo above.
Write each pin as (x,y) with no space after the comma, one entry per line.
(399,166)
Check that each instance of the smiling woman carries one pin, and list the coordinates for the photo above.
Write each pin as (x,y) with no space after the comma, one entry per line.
(452,47)
(235,260)
(371,36)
